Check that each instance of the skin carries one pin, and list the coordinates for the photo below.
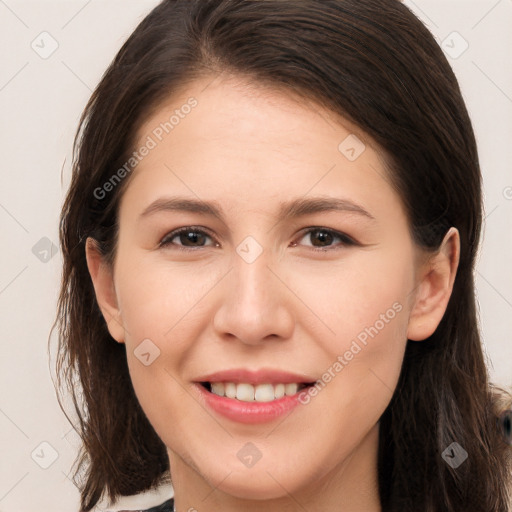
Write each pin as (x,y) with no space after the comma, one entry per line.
(297,307)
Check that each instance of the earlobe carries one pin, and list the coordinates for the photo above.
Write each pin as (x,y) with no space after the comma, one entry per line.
(434,288)
(103,282)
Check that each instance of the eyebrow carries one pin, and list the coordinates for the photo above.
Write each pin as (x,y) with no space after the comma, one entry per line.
(291,209)
(303,206)
(170,204)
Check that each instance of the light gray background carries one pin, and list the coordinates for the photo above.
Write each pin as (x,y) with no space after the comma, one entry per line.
(41,100)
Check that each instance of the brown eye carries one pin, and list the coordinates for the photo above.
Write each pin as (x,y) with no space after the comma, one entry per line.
(325,238)
(321,238)
(187,237)
(192,238)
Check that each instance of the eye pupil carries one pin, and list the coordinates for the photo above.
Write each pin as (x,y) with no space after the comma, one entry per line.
(323,237)
(192,238)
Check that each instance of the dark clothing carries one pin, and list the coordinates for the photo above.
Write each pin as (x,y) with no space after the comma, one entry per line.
(166,506)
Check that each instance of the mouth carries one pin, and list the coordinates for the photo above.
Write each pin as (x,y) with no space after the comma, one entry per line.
(252,396)
(246,392)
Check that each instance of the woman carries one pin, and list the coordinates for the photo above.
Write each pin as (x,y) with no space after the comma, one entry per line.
(269,242)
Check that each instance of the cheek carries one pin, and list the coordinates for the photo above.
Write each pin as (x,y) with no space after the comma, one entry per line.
(364,302)
(164,309)
(156,296)
(364,297)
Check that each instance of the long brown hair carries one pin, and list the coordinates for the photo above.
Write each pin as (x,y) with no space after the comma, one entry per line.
(374,63)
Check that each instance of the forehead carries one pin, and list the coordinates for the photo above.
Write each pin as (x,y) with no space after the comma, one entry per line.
(249,108)
(242,141)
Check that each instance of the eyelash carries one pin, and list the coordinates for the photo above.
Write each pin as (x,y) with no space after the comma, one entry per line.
(166,241)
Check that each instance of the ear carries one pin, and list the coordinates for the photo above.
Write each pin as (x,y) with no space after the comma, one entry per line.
(103,282)
(434,288)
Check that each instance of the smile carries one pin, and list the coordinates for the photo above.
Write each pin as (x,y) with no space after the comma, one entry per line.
(251,396)
(246,392)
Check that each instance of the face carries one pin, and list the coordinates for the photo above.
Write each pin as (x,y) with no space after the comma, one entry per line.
(261,250)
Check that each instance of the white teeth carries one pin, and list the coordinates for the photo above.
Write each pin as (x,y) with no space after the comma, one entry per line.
(264,393)
(279,390)
(249,393)
(230,390)
(290,389)
(218,388)
(245,392)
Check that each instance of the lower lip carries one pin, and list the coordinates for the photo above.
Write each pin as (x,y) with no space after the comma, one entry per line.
(248,412)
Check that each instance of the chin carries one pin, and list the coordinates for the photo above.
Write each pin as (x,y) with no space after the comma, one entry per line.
(255,485)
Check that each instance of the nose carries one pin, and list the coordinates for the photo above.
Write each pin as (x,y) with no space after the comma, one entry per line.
(255,305)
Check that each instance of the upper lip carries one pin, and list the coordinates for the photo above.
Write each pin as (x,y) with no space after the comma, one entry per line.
(262,376)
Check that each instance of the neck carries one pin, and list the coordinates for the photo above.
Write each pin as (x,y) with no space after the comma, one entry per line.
(352,486)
